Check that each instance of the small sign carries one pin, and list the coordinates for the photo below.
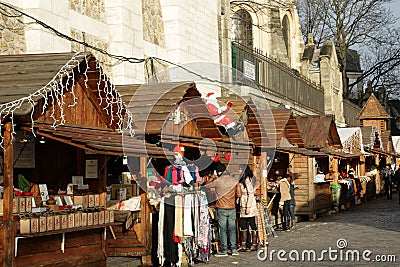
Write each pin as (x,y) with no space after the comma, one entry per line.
(249,70)
(77,180)
(43,192)
(91,168)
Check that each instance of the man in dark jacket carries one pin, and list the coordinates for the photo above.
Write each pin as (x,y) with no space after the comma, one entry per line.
(387,177)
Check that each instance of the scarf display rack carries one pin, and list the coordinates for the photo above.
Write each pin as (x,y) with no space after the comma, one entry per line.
(183,229)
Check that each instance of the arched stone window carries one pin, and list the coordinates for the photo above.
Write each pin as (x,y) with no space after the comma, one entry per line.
(286,35)
(242,28)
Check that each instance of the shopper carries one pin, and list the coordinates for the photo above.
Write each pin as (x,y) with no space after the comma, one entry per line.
(396,180)
(284,203)
(248,210)
(292,204)
(387,177)
(227,189)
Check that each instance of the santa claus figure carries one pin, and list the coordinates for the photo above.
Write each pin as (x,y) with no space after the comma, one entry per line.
(220,116)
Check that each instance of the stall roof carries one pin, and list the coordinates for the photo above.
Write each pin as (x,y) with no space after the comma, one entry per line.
(151,104)
(319,131)
(387,142)
(302,151)
(100,140)
(246,110)
(373,110)
(384,153)
(344,155)
(285,126)
(22,75)
(396,143)
(351,138)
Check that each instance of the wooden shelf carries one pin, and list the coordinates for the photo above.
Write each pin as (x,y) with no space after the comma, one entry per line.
(69,230)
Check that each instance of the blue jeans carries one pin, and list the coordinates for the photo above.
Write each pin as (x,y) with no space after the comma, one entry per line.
(227,221)
(291,210)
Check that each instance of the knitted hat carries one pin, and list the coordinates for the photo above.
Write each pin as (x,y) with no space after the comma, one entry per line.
(180,149)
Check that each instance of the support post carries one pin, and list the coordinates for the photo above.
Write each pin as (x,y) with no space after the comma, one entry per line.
(8,197)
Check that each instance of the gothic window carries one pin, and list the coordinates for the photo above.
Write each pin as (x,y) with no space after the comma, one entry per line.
(286,34)
(242,28)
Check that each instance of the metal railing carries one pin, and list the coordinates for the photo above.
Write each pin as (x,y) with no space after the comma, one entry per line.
(277,79)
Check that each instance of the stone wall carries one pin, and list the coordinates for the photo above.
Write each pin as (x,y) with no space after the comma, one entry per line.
(153,24)
(12,34)
(94,9)
(104,60)
(191,30)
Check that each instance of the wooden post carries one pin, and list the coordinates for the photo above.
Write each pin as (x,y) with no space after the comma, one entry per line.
(8,196)
(263,180)
(145,224)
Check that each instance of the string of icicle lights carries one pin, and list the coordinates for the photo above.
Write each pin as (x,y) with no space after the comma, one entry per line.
(54,92)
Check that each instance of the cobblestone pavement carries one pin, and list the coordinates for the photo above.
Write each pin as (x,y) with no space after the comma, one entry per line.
(373,226)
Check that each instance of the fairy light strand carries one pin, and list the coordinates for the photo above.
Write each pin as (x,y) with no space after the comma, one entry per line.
(53,93)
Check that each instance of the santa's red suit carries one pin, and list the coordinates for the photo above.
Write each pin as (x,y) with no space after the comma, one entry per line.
(218,112)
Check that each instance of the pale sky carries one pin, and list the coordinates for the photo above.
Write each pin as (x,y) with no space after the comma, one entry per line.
(395,7)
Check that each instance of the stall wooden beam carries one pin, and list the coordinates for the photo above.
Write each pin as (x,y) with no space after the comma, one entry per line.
(8,229)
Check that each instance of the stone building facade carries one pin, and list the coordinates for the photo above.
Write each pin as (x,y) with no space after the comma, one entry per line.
(178,31)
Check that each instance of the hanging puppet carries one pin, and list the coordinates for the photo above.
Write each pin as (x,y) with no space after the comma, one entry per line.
(220,116)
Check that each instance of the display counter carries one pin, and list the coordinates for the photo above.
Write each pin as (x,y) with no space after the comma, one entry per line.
(323,197)
(67,247)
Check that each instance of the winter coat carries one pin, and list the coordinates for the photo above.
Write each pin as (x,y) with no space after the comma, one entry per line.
(284,188)
(248,200)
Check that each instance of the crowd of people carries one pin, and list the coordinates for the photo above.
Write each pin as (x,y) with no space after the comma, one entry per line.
(235,196)
(236,205)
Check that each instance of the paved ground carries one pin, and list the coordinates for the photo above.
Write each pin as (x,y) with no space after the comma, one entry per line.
(374,226)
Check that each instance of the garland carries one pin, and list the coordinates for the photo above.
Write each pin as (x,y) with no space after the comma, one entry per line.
(53,93)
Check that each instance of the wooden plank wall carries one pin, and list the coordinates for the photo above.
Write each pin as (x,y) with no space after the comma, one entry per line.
(83,112)
(82,248)
(304,194)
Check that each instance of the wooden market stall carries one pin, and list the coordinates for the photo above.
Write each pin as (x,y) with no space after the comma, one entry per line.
(319,133)
(373,114)
(292,158)
(63,131)
(174,116)
(371,141)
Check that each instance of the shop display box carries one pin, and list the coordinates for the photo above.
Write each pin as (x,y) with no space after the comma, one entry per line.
(57,222)
(25,225)
(78,219)
(50,222)
(101,216)
(89,218)
(34,225)
(42,224)
(71,220)
(84,219)
(95,218)
(64,221)
(91,201)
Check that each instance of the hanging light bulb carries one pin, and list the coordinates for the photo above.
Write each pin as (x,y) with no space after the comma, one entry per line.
(42,140)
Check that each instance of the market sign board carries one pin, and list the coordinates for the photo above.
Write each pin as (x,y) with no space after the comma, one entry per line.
(91,168)
(24,150)
(249,70)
